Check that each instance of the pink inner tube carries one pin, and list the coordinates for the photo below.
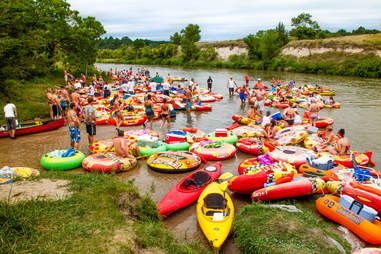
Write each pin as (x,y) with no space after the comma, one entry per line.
(223,152)
(291,154)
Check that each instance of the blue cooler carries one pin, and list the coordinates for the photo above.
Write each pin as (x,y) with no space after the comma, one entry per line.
(277,116)
(362,210)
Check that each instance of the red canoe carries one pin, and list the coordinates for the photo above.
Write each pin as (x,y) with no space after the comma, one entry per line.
(30,128)
(188,189)
(285,190)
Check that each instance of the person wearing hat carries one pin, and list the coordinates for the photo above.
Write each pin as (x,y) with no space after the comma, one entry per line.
(258,85)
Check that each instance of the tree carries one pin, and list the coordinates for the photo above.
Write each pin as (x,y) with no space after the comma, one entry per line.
(282,33)
(264,45)
(305,27)
(176,38)
(189,36)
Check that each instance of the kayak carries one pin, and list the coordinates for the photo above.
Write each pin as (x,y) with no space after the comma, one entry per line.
(215,214)
(36,127)
(188,189)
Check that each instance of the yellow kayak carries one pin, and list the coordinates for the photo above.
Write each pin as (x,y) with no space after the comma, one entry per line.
(215,213)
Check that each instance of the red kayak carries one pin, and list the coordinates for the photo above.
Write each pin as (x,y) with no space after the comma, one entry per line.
(30,128)
(188,189)
(286,190)
(246,184)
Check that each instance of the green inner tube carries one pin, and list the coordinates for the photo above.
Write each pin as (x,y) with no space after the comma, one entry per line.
(146,150)
(231,138)
(51,161)
(181,146)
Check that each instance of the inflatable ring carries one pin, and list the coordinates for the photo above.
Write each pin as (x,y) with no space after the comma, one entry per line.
(278,169)
(345,160)
(194,134)
(147,150)
(179,146)
(128,121)
(102,145)
(242,120)
(248,132)
(137,133)
(174,162)
(293,155)
(251,145)
(207,98)
(244,165)
(54,160)
(291,136)
(213,151)
(231,138)
(203,107)
(25,172)
(324,122)
(313,140)
(107,163)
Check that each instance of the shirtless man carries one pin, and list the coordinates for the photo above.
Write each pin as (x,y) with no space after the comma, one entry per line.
(165,114)
(258,85)
(121,146)
(50,101)
(188,96)
(73,122)
(56,107)
(75,98)
(242,93)
(313,112)
(260,102)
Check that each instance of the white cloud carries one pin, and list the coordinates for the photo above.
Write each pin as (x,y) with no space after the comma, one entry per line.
(223,19)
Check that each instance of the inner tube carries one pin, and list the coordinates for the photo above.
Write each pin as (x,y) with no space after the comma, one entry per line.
(251,145)
(291,136)
(102,145)
(107,163)
(147,150)
(345,160)
(231,138)
(194,135)
(213,151)
(179,146)
(248,132)
(54,160)
(293,155)
(313,140)
(174,162)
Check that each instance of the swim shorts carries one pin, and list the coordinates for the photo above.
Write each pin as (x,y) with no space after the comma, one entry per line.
(242,96)
(75,135)
(189,104)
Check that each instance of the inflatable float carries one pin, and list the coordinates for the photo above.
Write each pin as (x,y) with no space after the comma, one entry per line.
(56,160)
(213,151)
(107,163)
(248,132)
(173,162)
(291,136)
(291,154)
(227,137)
(252,146)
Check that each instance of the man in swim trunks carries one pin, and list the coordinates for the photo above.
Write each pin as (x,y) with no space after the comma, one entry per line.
(231,85)
(56,107)
(50,101)
(289,114)
(188,96)
(90,118)
(210,83)
(242,93)
(121,146)
(75,98)
(73,122)
(313,112)
(260,99)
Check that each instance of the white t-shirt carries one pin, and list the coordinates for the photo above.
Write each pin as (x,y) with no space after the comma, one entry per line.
(166,86)
(231,83)
(297,119)
(91,90)
(266,120)
(124,87)
(131,86)
(107,87)
(9,110)
(153,85)
(77,85)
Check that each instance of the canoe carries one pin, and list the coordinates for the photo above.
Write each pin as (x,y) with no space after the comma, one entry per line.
(215,214)
(188,189)
(30,128)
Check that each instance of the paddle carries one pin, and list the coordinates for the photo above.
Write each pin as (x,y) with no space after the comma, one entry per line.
(225,176)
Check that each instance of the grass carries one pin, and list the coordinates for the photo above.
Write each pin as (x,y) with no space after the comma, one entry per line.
(104,215)
(259,229)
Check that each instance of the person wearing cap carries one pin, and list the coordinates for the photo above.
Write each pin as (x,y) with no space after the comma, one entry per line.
(210,83)
(258,85)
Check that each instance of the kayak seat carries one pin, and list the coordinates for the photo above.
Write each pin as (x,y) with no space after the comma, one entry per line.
(201,178)
(214,201)
(189,183)
(211,213)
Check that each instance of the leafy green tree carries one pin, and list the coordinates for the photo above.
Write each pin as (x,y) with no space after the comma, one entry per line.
(189,36)
(176,38)
(282,34)
(252,42)
(305,27)
(208,54)
(264,45)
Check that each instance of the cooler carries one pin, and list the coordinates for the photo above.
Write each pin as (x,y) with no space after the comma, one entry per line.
(174,138)
(147,140)
(362,210)
(221,133)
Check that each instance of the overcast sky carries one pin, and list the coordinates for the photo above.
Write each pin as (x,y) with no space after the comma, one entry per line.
(223,19)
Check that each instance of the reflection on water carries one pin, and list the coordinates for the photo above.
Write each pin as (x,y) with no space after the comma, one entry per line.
(360,115)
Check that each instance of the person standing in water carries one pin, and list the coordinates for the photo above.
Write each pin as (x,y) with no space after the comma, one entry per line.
(73,122)
(247,79)
(231,85)
(188,96)
(165,114)
(242,93)
(10,114)
(148,104)
(117,110)
(313,112)
(210,83)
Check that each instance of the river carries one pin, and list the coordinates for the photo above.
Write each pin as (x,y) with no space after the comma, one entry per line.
(360,115)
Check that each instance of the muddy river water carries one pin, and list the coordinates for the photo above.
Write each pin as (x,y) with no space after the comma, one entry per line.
(360,115)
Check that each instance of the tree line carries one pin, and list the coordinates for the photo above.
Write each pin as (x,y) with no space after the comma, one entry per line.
(35,35)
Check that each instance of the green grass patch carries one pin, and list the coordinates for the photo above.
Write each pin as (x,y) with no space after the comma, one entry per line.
(259,229)
(103,215)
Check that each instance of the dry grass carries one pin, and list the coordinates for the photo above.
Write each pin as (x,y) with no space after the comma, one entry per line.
(219,44)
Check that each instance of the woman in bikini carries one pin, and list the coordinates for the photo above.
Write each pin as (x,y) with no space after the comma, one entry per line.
(118,111)
(165,114)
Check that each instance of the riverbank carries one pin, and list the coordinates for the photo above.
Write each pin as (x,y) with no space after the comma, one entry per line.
(102,215)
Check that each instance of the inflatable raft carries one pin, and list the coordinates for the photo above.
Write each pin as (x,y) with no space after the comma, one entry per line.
(55,160)
(107,163)
(213,151)
(173,162)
